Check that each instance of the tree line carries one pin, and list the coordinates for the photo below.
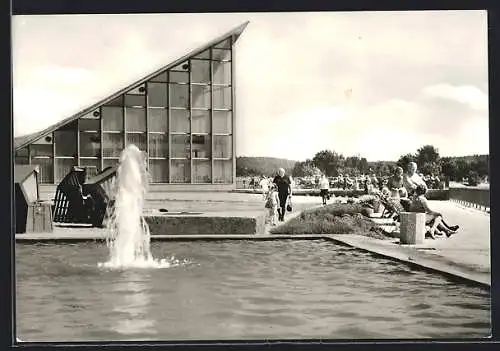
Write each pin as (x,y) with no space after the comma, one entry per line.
(331,163)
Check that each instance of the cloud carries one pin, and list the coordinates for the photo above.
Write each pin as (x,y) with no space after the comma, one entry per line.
(468,95)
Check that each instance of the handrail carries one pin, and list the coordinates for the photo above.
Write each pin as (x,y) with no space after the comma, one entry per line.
(476,197)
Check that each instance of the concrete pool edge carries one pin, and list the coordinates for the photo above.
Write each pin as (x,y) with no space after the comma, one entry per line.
(411,255)
(385,248)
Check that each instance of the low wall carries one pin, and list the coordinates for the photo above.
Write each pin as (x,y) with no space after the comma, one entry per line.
(471,196)
(200,224)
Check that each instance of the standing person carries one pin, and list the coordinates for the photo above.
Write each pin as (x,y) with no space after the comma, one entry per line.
(324,188)
(284,184)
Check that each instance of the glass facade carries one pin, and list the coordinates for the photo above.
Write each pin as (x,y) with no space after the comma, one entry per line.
(182,118)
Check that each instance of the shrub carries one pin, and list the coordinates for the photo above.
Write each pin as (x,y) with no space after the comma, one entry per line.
(474,178)
(331,219)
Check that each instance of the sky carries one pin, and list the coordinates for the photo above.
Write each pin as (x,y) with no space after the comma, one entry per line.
(374,84)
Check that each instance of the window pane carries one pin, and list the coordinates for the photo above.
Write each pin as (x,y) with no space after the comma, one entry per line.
(182,67)
(138,140)
(135,100)
(202,171)
(200,121)
(201,96)
(112,118)
(162,77)
(180,121)
(46,169)
(200,71)
(109,163)
(158,145)
(116,102)
(202,146)
(112,144)
(223,146)
(90,145)
(136,119)
(178,77)
(63,167)
(21,160)
(222,97)
(92,115)
(223,171)
(179,95)
(222,72)
(181,171)
(41,150)
(221,54)
(93,166)
(22,156)
(203,55)
(157,120)
(158,169)
(223,122)
(157,95)
(180,146)
(89,124)
(226,44)
(141,89)
(65,143)
(23,152)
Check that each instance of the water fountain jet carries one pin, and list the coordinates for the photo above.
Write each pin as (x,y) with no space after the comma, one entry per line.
(128,236)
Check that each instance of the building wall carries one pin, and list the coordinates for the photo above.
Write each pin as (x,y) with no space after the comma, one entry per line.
(182,119)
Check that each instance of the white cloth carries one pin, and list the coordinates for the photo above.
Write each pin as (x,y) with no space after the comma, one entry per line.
(412,182)
(324,184)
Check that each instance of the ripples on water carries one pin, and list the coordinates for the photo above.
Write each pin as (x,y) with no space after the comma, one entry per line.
(238,290)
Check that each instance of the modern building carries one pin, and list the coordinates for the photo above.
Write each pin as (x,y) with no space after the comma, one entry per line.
(182,116)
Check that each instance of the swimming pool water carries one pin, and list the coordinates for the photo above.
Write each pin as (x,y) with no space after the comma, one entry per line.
(238,290)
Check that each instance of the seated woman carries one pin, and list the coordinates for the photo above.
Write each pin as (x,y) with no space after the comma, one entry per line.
(433,219)
(396,184)
(398,190)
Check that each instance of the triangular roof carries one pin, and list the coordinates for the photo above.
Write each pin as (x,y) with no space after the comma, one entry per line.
(24,140)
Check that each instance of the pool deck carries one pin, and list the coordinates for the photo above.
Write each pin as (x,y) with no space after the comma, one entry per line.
(465,255)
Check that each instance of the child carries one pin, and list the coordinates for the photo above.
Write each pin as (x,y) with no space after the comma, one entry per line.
(272,204)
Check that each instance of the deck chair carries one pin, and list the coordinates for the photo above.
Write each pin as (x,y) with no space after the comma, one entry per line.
(100,190)
(82,201)
(393,207)
(69,206)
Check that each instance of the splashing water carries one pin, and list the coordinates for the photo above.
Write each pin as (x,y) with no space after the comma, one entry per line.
(128,236)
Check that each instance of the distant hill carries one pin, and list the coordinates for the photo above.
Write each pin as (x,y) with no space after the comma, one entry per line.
(249,166)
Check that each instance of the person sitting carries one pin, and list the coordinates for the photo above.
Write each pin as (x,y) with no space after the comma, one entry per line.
(412,179)
(434,220)
(396,184)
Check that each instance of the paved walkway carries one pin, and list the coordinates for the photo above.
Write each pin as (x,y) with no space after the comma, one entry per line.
(471,245)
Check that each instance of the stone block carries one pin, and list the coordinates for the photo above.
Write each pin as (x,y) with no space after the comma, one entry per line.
(412,229)
(205,224)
